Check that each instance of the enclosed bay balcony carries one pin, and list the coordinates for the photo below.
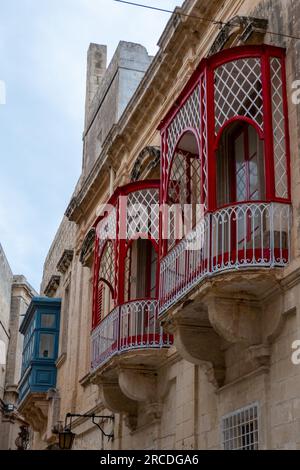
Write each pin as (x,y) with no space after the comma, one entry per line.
(128,344)
(126,271)
(225,150)
(40,328)
(235,238)
(131,326)
(226,235)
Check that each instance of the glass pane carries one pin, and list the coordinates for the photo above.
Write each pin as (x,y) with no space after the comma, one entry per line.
(240,168)
(239,151)
(153,273)
(47,320)
(241,188)
(46,348)
(252,136)
(253,174)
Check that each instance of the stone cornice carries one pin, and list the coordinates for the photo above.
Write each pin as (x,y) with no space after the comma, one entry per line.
(19,282)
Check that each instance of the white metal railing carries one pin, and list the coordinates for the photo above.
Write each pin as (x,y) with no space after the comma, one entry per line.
(241,235)
(139,326)
(133,325)
(105,339)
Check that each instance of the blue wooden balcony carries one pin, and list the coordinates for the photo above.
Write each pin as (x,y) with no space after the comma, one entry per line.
(40,328)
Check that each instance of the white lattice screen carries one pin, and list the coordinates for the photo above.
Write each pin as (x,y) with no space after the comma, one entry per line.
(107,263)
(107,228)
(187,117)
(238,91)
(280,161)
(143,213)
(184,187)
(192,115)
(203,138)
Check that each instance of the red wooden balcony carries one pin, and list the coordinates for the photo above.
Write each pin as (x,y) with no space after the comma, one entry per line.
(133,325)
(126,273)
(245,235)
(225,146)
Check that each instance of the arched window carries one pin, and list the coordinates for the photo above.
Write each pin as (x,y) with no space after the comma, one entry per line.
(140,270)
(240,179)
(240,165)
(184,188)
(106,282)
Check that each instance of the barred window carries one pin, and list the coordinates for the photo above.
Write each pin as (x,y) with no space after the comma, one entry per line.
(240,429)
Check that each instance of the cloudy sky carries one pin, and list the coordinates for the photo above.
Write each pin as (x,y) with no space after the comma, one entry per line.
(43,45)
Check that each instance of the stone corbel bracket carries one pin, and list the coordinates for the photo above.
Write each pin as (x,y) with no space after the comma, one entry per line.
(35,412)
(116,401)
(201,345)
(141,387)
(127,391)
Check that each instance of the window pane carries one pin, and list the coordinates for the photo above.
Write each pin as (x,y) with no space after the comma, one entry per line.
(46,349)
(47,320)
(241,188)
(253,141)
(253,176)
(153,272)
(239,151)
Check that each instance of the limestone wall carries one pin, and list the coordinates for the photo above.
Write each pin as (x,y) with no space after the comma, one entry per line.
(118,84)
(64,240)
(191,404)
(5,300)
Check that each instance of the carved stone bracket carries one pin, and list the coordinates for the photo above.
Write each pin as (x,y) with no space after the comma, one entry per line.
(238,30)
(130,389)
(65,261)
(259,355)
(141,386)
(52,286)
(116,401)
(35,411)
(235,318)
(148,158)
(201,345)
(87,247)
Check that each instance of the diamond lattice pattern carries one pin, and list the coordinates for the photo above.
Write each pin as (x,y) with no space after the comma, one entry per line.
(238,91)
(184,186)
(278,130)
(107,263)
(203,137)
(188,116)
(107,228)
(143,213)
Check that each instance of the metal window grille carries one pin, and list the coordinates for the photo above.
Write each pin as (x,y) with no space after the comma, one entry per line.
(240,429)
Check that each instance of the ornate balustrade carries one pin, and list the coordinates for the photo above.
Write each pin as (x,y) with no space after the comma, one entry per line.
(133,325)
(244,235)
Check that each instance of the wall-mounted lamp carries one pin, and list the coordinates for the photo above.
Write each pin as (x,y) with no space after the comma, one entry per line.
(66,437)
(22,440)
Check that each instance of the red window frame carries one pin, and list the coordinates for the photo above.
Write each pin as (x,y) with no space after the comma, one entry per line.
(243,129)
(209,140)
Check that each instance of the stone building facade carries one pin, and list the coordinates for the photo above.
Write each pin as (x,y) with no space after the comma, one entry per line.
(15,297)
(187,349)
